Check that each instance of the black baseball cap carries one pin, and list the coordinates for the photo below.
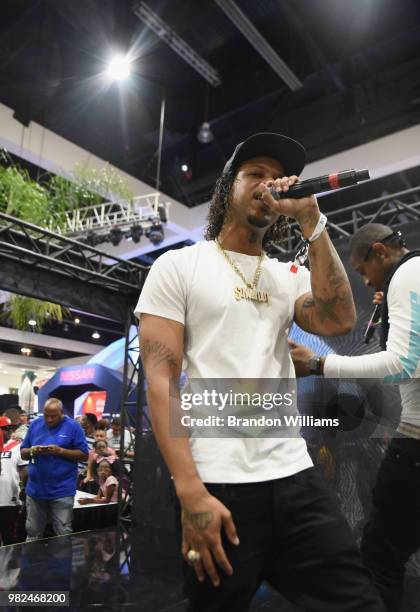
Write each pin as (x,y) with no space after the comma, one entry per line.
(290,153)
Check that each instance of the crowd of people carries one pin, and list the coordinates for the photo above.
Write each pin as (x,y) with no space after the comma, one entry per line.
(44,463)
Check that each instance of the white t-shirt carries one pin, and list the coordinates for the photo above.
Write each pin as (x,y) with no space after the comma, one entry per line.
(114,441)
(400,363)
(226,338)
(9,477)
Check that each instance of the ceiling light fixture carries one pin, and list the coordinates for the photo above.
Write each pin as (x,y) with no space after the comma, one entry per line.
(77,321)
(205,135)
(96,335)
(25,350)
(119,68)
(32,322)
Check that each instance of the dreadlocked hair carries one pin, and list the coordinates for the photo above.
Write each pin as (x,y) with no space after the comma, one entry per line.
(219,211)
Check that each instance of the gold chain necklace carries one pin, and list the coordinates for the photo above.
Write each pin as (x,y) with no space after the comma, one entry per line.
(249,292)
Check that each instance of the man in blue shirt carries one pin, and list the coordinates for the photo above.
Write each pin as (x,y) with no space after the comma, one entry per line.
(53,445)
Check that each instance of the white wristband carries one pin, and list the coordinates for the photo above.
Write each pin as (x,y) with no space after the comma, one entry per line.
(320,226)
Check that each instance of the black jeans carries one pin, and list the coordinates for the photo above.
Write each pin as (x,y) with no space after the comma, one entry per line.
(294,536)
(392,533)
(8,523)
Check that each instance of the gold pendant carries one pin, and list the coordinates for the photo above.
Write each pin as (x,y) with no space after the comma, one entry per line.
(250,293)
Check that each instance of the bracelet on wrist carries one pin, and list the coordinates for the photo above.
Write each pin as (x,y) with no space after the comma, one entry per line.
(302,254)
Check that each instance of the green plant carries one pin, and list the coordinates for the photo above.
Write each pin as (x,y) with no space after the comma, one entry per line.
(22,197)
(45,203)
(104,181)
(22,309)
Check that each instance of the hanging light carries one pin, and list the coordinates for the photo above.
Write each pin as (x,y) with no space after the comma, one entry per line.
(204,134)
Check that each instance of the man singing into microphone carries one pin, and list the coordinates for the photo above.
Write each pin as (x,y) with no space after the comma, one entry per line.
(393,531)
(252,508)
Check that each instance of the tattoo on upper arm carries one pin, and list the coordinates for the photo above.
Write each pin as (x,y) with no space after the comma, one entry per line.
(155,353)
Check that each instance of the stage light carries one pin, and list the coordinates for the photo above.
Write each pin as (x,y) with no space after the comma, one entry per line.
(204,134)
(91,239)
(119,68)
(184,168)
(162,213)
(115,236)
(32,322)
(155,232)
(136,232)
(96,335)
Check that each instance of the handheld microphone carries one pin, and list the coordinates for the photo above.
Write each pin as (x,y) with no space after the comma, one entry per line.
(327,182)
(372,325)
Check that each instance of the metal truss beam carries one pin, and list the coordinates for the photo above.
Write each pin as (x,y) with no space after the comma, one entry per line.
(131,414)
(171,38)
(389,209)
(142,210)
(257,40)
(37,247)
(30,254)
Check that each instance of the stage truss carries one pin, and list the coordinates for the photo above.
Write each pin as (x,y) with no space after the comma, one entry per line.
(391,209)
(38,263)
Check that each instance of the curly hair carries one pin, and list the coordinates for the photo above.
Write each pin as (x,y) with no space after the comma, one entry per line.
(219,210)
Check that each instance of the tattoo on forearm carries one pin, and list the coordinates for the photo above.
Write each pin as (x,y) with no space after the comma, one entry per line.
(199,520)
(336,293)
(156,353)
(310,216)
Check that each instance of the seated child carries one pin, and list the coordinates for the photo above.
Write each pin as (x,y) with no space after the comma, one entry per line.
(108,486)
(100,450)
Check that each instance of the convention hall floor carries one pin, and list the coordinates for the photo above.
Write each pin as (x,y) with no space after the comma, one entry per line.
(111,570)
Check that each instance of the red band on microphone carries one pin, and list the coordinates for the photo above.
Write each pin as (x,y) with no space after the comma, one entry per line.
(333,180)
